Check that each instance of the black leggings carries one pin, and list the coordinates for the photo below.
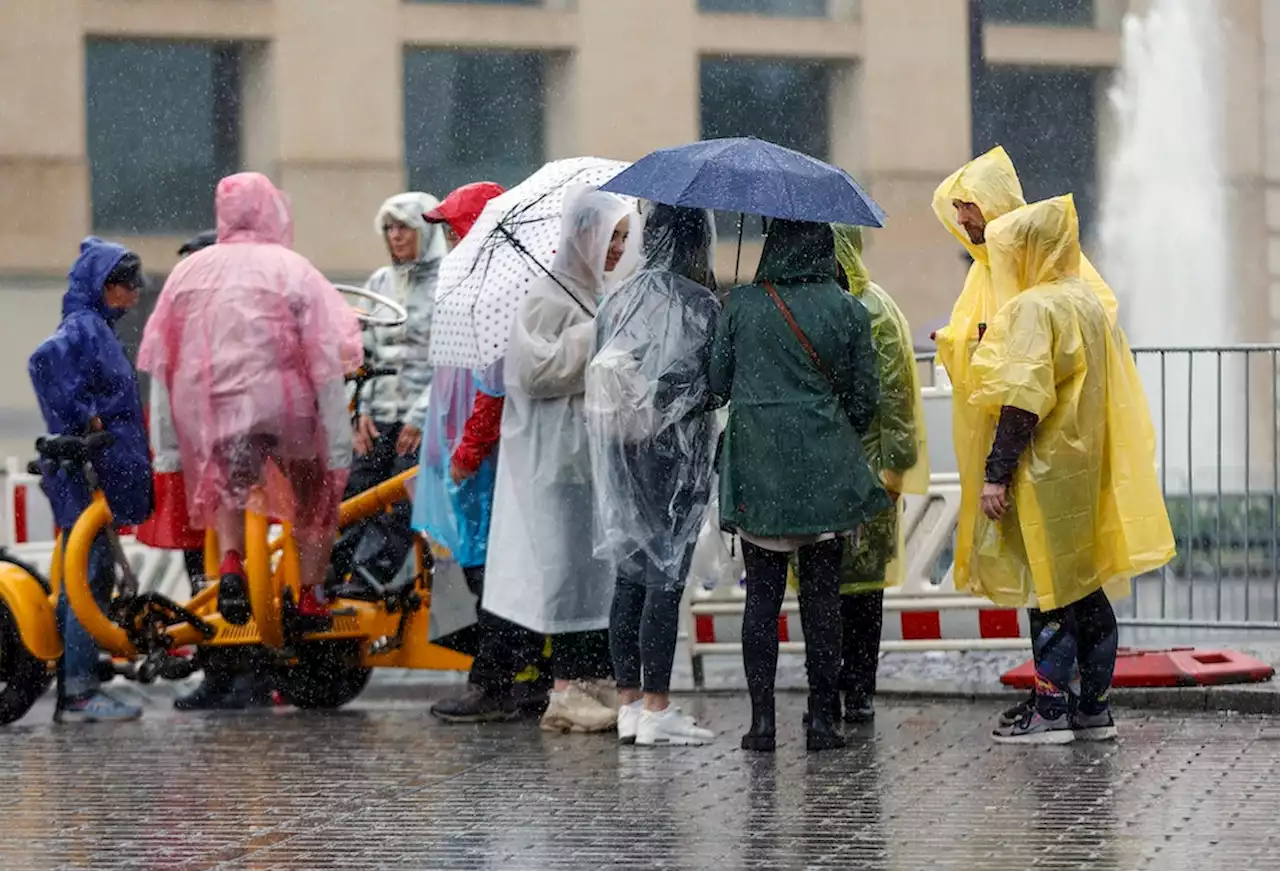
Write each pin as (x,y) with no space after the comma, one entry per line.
(862,618)
(581,655)
(819,616)
(643,629)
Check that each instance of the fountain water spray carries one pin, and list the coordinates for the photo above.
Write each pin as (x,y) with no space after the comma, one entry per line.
(1164,232)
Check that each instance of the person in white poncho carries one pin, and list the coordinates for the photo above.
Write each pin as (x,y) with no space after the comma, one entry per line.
(542,572)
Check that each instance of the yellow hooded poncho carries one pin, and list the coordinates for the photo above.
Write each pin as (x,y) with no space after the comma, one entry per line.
(1087,508)
(895,444)
(991,183)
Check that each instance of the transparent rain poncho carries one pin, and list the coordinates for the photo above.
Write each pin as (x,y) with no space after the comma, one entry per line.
(1086,507)
(541,571)
(649,407)
(895,443)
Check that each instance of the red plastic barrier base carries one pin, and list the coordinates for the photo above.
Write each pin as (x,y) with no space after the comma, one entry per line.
(1177,667)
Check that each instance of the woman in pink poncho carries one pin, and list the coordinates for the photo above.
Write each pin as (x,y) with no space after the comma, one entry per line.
(250,344)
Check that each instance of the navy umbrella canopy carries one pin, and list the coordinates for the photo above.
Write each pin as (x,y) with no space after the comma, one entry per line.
(752,176)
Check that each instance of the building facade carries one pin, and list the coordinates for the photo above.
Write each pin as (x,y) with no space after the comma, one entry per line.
(117,117)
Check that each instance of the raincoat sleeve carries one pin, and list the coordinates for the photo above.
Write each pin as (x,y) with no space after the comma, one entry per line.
(60,369)
(857,384)
(332,346)
(720,371)
(544,360)
(1014,364)
(893,446)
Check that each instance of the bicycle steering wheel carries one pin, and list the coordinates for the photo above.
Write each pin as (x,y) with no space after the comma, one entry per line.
(398,315)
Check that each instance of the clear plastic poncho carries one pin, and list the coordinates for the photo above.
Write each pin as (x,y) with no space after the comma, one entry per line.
(649,407)
(1086,506)
(542,572)
(248,339)
(895,443)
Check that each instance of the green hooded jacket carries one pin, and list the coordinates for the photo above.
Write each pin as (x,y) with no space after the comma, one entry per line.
(792,461)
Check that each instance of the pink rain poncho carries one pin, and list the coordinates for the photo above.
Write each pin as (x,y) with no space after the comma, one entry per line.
(251,343)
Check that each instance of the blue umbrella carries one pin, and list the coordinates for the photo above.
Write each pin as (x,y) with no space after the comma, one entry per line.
(752,176)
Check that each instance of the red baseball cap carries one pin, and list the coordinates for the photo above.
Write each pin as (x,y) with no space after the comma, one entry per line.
(461,208)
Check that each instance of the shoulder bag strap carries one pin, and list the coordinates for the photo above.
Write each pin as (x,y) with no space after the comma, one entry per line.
(799,333)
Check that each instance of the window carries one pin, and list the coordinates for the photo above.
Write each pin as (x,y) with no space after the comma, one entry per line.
(163,127)
(472,116)
(784,102)
(791,8)
(1047,121)
(1078,13)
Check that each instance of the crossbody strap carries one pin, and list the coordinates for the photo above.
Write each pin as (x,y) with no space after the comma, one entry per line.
(799,333)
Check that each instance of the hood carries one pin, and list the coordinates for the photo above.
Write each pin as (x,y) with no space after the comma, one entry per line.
(1034,245)
(87,276)
(991,183)
(409,209)
(251,209)
(681,241)
(797,252)
(463,206)
(586,228)
(849,256)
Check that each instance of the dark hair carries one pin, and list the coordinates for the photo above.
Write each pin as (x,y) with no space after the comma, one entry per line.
(198,242)
(684,237)
(127,271)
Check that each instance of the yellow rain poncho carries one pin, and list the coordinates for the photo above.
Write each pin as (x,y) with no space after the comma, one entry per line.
(1086,505)
(895,443)
(991,183)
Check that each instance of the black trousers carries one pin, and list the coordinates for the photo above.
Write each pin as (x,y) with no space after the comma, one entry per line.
(581,655)
(505,648)
(861,618)
(1083,632)
(381,543)
(819,616)
(643,630)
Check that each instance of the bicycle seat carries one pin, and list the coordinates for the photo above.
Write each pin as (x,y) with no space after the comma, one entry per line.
(72,448)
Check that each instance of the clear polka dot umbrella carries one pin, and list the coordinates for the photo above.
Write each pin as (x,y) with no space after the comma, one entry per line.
(484,279)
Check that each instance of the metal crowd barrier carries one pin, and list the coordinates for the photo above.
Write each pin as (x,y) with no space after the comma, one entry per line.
(1216,416)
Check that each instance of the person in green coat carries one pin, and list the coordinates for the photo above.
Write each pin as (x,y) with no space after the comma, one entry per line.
(897,453)
(793,355)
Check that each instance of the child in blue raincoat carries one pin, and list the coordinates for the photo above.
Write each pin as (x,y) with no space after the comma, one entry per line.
(85,383)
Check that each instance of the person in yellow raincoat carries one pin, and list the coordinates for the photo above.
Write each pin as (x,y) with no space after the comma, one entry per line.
(897,453)
(981,191)
(1071,500)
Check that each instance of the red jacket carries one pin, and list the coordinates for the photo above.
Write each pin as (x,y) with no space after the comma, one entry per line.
(481,433)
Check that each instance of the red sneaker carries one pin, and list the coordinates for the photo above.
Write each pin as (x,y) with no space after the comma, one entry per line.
(309,604)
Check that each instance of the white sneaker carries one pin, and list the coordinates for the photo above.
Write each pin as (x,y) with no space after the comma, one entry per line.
(603,691)
(576,711)
(671,727)
(629,721)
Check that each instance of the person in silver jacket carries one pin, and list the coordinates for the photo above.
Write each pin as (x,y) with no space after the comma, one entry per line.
(393,408)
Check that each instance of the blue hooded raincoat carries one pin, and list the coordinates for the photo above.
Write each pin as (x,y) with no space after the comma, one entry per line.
(81,372)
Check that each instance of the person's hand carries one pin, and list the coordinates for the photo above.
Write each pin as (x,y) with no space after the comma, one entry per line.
(995,500)
(365,435)
(409,440)
(457,472)
(95,424)
(894,495)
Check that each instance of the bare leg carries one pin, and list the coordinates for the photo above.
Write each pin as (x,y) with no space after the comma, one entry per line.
(313,560)
(229,524)
(656,701)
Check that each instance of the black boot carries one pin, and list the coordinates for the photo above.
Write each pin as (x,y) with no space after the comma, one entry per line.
(821,732)
(763,736)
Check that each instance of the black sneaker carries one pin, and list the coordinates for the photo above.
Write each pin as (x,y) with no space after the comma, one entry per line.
(1012,715)
(1094,727)
(475,706)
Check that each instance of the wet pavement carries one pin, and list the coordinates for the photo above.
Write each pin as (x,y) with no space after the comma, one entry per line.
(381,785)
